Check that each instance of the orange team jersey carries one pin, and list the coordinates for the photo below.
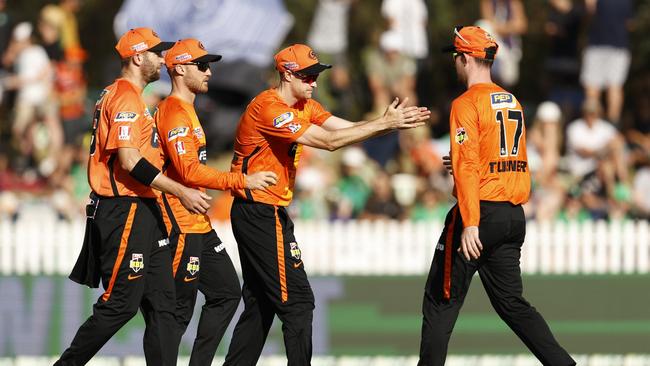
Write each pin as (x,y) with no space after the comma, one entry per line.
(184,154)
(488,150)
(120,120)
(266,140)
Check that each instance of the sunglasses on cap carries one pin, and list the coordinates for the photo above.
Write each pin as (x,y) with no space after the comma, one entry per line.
(202,66)
(457,33)
(308,79)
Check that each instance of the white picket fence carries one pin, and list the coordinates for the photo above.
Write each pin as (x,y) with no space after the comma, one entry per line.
(452,360)
(39,244)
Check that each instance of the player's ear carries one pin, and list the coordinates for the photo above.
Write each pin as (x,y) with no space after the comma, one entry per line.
(138,58)
(179,69)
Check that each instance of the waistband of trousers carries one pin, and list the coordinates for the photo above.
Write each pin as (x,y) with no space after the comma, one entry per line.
(244,201)
(146,200)
(504,204)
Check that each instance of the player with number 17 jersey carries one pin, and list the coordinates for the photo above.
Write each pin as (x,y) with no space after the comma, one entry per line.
(495,164)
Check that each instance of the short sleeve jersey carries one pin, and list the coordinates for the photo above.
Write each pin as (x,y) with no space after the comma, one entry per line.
(121,120)
(488,150)
(185,155)
(266,140)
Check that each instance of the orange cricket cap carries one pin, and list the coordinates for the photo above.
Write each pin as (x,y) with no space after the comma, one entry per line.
(474,41)
(139,40)
(188,50)
(299,58)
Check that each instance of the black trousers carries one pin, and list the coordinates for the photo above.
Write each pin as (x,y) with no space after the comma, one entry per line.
(502,230)
(200,262)
(135,265)
(275,283)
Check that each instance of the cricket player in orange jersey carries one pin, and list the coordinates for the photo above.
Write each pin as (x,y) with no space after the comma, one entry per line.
(126,242)
(270,136)
(200,260)
(485,230)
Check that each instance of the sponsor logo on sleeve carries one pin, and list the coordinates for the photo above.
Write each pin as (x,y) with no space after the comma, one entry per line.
(126,117)
(180,147)
(177,132)
(198,132)
(203,155)
(124,133)
(294,127)
(461,136)
(282,119)
(502,100)
(155,139)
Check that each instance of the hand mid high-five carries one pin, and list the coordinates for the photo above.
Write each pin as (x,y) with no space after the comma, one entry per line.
(399,116)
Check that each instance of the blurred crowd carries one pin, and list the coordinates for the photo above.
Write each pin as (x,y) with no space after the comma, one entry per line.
(586,162)
(43,115)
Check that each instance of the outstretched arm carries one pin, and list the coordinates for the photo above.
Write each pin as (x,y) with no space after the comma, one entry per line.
(337,132)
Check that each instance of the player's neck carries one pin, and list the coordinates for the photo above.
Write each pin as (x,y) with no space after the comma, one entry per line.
(479,77)
(286,95)
(134,77)
(182,92)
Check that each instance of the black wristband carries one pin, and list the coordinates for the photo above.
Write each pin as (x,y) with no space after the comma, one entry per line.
(144,172)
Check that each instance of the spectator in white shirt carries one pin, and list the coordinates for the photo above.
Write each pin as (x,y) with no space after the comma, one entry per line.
(591,140)
(33,80)
(596,158)
(408,18)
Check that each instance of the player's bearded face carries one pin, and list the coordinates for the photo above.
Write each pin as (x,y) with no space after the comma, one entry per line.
(196,80)
(151,66)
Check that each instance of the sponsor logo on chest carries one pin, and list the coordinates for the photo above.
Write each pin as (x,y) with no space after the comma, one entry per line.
(282,119)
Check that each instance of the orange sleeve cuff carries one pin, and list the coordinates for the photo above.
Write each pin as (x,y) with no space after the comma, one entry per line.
(214,179)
